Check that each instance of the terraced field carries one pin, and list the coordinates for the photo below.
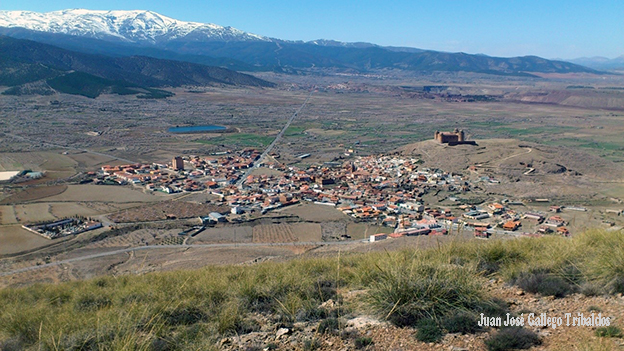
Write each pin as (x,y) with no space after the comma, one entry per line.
(273,233)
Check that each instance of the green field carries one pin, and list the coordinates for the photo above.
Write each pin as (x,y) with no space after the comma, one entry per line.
(240,139)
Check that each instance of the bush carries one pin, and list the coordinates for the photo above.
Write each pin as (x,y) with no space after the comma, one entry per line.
(609,332)
(571,273)
(311,314)
(544,284)
(184,316)
(326,289)
(488,267)
(512,338)
(92,303)
(616,285)
(87,340)
(492,308)
(311,344)
(461,322)
(492,257)
(429,331)
(11,345)
(409,291)
(159,344)
(593,308)
(329,326)
(591,289)
(362,342)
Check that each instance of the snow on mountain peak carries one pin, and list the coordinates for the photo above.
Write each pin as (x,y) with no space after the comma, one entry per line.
(133,26)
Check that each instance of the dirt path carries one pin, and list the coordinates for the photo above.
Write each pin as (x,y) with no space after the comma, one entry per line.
(512,156)
(157,247)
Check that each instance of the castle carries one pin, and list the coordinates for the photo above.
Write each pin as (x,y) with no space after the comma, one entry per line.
(455,137)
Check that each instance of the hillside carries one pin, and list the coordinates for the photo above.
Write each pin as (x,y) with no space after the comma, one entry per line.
(523,169)
(24,61)
(426,300)
(148,33)
(505,154)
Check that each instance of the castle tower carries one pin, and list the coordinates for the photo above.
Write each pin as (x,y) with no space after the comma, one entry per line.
(177,163)
(461,136)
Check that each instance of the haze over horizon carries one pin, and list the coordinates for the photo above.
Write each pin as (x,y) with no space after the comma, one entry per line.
(551,29)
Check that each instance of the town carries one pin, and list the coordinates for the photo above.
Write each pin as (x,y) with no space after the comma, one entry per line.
(388,190)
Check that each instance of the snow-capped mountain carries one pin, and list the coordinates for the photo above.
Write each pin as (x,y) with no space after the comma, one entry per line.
(146,33)
(129,26)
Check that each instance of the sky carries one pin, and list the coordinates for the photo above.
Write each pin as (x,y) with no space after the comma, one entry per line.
(565,29)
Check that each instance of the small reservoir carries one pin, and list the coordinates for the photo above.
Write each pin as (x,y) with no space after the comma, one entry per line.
(197,129)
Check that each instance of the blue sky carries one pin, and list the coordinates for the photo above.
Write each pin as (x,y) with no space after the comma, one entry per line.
(547,28)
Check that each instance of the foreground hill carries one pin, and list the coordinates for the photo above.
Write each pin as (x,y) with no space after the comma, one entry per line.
(150,33)
(394,300)
(25,61)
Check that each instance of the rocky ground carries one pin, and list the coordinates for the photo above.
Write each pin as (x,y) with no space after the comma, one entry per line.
(371,333)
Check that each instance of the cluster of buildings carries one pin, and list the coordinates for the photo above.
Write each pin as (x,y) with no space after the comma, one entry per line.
(182,174)
(496,215)
(386,190)
(370,188)
(63,227)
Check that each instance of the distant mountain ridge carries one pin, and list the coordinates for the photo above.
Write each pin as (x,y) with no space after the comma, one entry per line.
(601,63)
(25,61)
(131,26)
(151,34)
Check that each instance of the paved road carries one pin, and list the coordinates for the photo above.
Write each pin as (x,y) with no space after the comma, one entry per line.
(156,247)
(279,136)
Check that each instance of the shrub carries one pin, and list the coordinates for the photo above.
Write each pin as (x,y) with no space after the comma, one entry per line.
(59,299)
(594,309)
(311,344)
(230,320)
(492,257)
(409,291)
(363,342)
(616,285)
(184,316)
(572,274)
(159,344)
(492,308)
(429,331)
(87,340)
(512,338)
(11,345)
(544,284)
(609,332)
(591,289)
(91,303)
(461,322)
(326,289)
(312,313)
(329,326)
(488,267)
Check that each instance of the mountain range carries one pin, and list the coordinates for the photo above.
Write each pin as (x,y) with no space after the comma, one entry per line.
(24,62)
(601,63)
(146,33)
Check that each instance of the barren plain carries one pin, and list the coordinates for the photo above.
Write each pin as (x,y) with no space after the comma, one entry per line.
(569,137)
